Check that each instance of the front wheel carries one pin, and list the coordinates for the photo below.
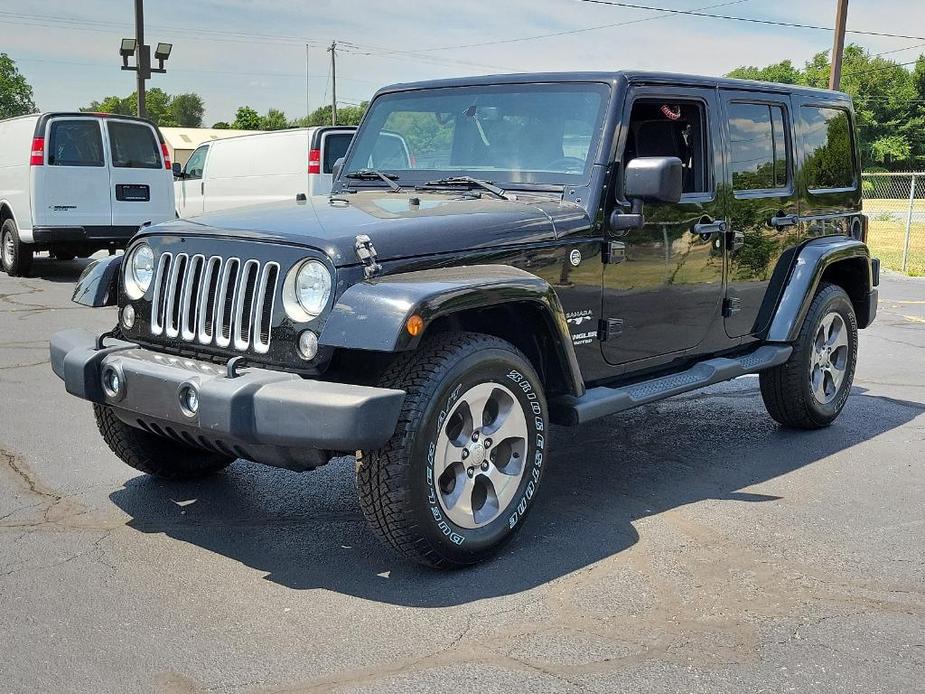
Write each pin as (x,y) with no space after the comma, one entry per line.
(153,454)
(809,390)
(457,479)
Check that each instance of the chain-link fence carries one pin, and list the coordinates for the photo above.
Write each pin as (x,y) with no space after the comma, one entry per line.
(895,205)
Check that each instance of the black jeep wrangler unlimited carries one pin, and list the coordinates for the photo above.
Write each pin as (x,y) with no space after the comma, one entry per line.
(499,254)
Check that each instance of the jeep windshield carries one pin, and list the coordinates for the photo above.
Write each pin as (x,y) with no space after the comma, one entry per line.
(508,135)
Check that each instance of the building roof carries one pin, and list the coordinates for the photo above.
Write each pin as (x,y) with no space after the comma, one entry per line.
(191,138)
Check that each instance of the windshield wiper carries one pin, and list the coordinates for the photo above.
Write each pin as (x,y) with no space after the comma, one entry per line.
(469,181)
(372,175)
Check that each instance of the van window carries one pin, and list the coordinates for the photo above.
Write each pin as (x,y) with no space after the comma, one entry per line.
(75,143)
(758,146)
(196,163)
(829,150)
(335,146)
(676,129)
(133,146)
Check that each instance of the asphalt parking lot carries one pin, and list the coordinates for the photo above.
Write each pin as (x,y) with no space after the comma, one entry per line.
(691,546)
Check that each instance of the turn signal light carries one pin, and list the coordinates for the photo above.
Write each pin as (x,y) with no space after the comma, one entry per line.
(166,155)
(38,151)
(415,325)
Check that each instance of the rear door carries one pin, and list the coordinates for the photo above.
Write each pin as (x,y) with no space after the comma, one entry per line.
(141,185)
(72,188)
(762,204)
(189,188)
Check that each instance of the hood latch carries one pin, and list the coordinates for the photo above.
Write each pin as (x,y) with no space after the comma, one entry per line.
(366,252)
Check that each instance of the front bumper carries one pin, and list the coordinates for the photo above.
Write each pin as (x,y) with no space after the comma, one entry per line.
(263,415)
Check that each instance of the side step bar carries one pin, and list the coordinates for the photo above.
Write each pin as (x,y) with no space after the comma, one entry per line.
(602,401)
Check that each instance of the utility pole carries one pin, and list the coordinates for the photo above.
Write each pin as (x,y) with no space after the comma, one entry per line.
(332,50)
(838,48)
(142,56)
(308,105)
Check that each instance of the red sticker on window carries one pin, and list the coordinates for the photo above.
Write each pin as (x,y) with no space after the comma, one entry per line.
(671,112)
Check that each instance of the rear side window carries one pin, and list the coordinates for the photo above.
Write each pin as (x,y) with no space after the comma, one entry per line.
(133,146)
(75,143)
(758,146)
(829,151)
(335,146)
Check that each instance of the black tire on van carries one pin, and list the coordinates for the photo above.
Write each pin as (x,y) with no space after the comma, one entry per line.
(15,256)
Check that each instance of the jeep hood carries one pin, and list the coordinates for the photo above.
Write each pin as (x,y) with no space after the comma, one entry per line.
(439,223)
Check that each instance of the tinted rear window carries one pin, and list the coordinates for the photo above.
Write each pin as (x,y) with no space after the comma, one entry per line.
(758,146)
(133,146)
(75,143)
(335,146)
(829,150)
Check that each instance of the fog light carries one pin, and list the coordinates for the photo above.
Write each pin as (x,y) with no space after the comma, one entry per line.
(128,316)
(112,382)
(308,345)
(189,399)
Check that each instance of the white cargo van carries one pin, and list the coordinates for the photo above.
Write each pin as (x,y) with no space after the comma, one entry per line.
(254,169)
(74,183)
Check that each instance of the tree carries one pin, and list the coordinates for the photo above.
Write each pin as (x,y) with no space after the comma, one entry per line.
(346,115)
(221,125)
(162,108)
(274,120)
(15,92)
(246,118)
(187,110)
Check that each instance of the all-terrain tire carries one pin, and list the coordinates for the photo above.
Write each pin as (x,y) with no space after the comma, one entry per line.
(15,256)
(153,454)
(787,390)
(399,485)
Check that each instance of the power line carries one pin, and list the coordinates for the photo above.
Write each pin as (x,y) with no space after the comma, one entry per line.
(597,27)
(750,20)
(882,67)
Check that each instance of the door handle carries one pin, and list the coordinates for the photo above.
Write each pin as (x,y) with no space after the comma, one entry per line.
(705,228)
(785,220)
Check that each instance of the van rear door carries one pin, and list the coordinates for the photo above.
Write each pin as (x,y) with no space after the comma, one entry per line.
(72,187)
(331,146)
(141,183)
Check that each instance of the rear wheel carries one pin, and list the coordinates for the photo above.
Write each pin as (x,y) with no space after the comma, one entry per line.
(15,256)
(810,389)
(457,479)
(153,454)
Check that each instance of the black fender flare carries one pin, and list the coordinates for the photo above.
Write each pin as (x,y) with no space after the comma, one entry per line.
(372,315)
(99,283)
(810,265)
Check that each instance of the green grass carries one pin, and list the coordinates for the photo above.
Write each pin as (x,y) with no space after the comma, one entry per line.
(887,238)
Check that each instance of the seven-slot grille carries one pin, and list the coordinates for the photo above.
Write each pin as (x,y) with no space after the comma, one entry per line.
(226,302)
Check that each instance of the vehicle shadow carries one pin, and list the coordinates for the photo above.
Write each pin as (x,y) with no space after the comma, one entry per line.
(306,531)
(53,270)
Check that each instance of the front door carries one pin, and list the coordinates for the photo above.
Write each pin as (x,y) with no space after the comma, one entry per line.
(189,188)
(762,208)
(664,294)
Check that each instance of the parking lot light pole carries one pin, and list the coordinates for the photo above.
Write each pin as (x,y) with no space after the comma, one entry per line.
(142,53)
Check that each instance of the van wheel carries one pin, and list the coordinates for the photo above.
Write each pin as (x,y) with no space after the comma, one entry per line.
(809,390)
(457,479)
(152,454)
(15,256)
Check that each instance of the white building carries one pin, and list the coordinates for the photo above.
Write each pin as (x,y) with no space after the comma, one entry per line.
(182,141)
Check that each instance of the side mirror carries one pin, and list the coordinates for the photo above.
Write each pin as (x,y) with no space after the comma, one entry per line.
(648,179)
(335,170)
(177,170)
(653,179)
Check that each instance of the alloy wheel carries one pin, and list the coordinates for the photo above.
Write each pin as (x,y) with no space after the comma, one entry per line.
(829,358)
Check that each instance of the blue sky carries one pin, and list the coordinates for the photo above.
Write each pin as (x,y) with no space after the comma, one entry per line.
(253,51)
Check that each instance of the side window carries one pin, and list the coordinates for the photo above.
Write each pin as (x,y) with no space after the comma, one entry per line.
(671,129)
(75,143)
(758,146)
(196,163)
(133,146)
(829,150)
(335,146)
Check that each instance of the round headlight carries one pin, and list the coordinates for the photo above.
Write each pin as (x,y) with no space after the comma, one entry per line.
(140,271)
(313,287)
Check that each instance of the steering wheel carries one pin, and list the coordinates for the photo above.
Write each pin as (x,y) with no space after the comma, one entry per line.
(567,164)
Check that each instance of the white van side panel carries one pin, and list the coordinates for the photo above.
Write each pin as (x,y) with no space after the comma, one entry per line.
(15,179)
(255,169)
